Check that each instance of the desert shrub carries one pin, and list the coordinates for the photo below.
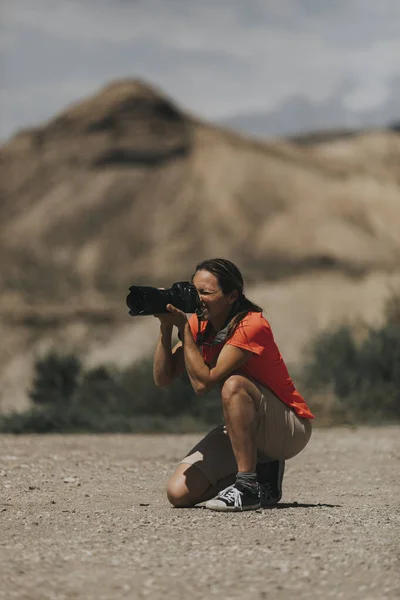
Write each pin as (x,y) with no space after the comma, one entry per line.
(333,363)
(176,399)
(392,309)
(364,377)
(66,398)
(56,378)
(378,389)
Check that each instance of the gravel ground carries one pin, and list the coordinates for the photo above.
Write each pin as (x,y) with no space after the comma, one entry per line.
(86,517)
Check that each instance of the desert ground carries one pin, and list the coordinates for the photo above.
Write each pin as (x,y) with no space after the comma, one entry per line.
(86,517)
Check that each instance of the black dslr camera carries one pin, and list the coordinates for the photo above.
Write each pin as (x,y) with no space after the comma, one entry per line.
(144,300)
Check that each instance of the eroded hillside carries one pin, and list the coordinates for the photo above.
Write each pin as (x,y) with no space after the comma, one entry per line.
(126,188)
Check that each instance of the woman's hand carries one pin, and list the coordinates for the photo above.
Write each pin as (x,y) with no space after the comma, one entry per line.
(174,316)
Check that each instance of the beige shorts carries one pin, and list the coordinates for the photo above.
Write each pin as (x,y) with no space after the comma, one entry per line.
(281,434)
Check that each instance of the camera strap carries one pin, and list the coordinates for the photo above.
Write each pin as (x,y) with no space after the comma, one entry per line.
(220,337)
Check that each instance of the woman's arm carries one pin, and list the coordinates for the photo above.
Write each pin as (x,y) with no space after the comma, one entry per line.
(168,363)
(201,376)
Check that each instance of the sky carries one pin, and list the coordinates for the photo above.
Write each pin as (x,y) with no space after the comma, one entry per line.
(216,58)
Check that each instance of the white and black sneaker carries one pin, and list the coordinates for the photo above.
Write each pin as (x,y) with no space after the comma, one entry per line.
(270,477)
(236,498)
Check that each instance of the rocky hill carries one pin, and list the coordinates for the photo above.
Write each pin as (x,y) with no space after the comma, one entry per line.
(125,188)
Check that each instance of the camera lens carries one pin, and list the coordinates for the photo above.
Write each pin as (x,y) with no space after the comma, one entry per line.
(145,300)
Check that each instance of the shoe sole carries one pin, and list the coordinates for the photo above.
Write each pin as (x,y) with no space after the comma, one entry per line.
(233,509)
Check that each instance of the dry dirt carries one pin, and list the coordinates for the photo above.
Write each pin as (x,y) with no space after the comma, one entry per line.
(86,517)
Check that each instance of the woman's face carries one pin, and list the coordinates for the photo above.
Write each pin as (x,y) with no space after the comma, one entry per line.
(215,304)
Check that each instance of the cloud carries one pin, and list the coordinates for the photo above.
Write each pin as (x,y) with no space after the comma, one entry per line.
(215,58)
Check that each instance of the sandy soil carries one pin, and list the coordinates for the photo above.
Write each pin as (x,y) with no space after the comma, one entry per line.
(86,517)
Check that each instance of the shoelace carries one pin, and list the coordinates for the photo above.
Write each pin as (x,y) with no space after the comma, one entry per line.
(231,494)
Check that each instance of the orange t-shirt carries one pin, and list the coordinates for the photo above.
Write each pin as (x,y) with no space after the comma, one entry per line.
(266,364)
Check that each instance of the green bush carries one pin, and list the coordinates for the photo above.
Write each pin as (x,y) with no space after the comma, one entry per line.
(66,398)
(364,377)
(334,362)
(56,379)
(392,309)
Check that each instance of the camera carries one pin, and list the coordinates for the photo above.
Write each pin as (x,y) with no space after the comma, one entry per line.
(145,300)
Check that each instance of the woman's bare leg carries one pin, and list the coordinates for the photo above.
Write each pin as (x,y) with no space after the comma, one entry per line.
(189,486)
(240,400)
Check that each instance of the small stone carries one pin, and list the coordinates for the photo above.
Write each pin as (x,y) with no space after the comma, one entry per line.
(69,480)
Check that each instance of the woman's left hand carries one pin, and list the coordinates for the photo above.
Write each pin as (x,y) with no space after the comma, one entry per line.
(180,318)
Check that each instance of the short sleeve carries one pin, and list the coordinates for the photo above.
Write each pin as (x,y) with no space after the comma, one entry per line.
(253,333)
(193,324)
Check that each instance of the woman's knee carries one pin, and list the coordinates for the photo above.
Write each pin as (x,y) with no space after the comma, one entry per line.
(232,386)
(177,492)
(239,386)
(187,486)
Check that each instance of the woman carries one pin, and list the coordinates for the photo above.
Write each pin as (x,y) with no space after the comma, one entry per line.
(239,466)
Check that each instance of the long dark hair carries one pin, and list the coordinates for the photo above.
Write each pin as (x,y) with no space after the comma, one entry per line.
(229,278)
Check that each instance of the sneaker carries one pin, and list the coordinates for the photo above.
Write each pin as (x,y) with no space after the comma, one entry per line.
(236,498)
(270,476)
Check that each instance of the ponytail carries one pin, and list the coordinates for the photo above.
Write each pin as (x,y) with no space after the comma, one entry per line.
(244,306)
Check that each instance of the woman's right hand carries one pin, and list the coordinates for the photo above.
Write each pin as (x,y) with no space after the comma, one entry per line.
(166,318)
(169,319)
